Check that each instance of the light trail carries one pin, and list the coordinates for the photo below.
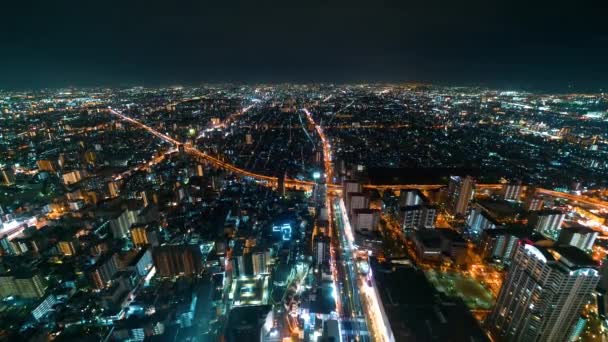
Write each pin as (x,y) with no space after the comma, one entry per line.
(326,148)
(143,166)
(378,321)
(308,185)
(270,180)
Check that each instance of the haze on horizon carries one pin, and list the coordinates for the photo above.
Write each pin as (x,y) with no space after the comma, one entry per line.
(549,45)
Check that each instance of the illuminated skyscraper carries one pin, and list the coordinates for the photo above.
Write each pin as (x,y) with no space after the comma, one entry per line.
(67,247)
(549,222)
(104,269)
(143,235)
(7,176)
(176,260)
(356,200)
(120,225)
(320,253)
(113,189)
(543,294)
(259,261)
(512,191)
(46,165)
(460,193)
(25,285)
(578,236)
(533,203)
(72,177)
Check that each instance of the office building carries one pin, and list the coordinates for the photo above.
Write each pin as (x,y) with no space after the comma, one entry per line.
(44,307)
(543,294)
(45,165)
(250,323)
(499,244)
(409,198)
(72,177)
(104,269)
(144,235)
(7,176)
(533,203)
(479,221)
(321,250)
(25,285)
(512,191)
(460,193)
(418,216)
(68,247)
(120,224)
(351,186)
(356,200)
(365,220)
(177,260)
(259,260)
(548,222)
(578,236)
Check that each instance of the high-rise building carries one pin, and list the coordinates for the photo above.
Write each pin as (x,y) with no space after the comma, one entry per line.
(113,189)
(120,224)
(72,177)
(479,221)
(177,260)
(104,269)
(44,307)
(7,176)
(68,247)
(90,157)
(499,244)
(351,186)
(281,183)
(418,216)
(533,203)
(578,236)
(46,165)
(142,262)
(410,198)
(366,219)
(548,222)
(259,260)
(321,252)
(512,191)
(143,235)
(26,285)
(356,200)
(543,294)
(460,193)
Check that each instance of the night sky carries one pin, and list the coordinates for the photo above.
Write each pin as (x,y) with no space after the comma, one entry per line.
(548,45)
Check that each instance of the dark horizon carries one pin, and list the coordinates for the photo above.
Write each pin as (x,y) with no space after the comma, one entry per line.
(546,46)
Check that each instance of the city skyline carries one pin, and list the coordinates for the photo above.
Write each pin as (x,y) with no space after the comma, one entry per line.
(265,171)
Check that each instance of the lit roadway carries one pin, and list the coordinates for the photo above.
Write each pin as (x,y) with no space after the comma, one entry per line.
(308,185)
(353,287)
(326,148)
(364,296)
(213,160)
(352,315)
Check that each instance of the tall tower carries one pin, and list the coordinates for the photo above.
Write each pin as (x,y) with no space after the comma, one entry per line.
(460,193)
(543,295)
